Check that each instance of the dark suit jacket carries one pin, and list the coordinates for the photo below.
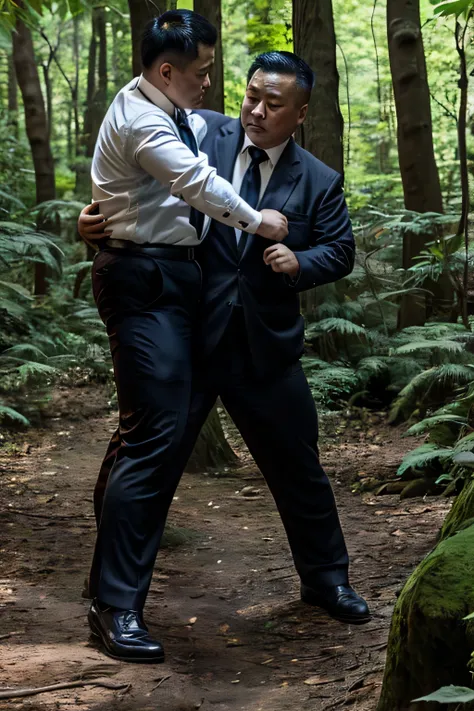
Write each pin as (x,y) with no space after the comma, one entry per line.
(311,196)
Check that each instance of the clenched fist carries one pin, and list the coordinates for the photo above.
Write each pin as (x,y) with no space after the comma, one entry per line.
(282,259)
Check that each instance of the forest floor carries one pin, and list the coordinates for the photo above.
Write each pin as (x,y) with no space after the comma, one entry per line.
(225,604)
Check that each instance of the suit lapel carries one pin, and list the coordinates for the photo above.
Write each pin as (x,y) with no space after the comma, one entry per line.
(283,181)
(226,148)
(227,144)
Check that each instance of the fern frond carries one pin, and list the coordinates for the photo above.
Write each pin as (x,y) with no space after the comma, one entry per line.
(441,345)
(8,413)
(25,351)
(429,422)
(341,326)
(424,455)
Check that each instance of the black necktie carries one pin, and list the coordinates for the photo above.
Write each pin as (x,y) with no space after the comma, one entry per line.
(251,185)
(196,218)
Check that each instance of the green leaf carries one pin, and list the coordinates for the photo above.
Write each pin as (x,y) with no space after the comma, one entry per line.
(430,422)
(469,617)
(464,459)
(422,456)
(449,695)
(9,413)
(453,7)
(442,345)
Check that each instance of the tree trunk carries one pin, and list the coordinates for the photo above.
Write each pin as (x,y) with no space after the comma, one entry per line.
(96,98)
(96,91)
(421,186)
(12,97)
(141,12)
(419,173)
(212,450)
(211,9)
(36,128)
(315,42)
(75,86)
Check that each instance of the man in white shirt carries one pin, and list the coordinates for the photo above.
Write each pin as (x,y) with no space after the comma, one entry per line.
(158,192)
(252,332)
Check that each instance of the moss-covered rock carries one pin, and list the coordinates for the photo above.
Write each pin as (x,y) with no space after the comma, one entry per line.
(462,510)
(174,536)
(430,644)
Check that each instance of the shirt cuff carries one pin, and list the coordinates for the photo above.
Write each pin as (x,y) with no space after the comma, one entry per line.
(253,226)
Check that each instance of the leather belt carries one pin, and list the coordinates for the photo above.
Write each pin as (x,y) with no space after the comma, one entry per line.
(176,252)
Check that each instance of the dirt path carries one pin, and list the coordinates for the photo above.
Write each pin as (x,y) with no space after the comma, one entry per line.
(225,604)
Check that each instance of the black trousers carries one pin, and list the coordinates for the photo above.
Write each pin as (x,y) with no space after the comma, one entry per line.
(149,307)
(278,421)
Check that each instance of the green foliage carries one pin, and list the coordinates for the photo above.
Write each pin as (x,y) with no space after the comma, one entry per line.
(420,457)
(449,694)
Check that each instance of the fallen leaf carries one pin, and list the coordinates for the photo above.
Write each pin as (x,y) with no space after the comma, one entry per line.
(319,680)
(192,620)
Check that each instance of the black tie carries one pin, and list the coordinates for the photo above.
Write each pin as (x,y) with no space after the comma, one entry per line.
(196,218)
(251,184)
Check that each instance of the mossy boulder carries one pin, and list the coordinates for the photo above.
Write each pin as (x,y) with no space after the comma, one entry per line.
(430,644)
(461,512)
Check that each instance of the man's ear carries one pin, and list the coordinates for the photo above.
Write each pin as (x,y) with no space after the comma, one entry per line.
(302,116)
(165,72)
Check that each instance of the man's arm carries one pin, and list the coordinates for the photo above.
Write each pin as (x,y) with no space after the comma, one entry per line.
(164,156)
(332,256)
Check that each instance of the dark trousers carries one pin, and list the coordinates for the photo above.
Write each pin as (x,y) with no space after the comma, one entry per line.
(149,307)
(278,421)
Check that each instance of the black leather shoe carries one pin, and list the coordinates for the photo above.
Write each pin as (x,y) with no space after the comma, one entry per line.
(340,601)
(124,635)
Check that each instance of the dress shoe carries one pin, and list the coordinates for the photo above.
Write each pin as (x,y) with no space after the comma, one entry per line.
(340,601)
(124,635)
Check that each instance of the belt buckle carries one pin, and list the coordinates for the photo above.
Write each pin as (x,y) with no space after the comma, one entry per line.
(191,253)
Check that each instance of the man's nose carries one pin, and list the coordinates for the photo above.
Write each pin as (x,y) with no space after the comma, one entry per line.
(207,82)
(259,110)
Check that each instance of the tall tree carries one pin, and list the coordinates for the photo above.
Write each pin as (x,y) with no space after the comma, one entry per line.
(12,97)
(315,42)
(421,185)
(212,10)
(141,11)
(36,128)
(96,105)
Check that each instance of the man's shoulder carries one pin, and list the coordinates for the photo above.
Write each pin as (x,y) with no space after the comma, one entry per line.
(324,173)
(214,119)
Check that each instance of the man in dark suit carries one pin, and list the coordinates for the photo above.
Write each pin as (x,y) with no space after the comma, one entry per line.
(252,332)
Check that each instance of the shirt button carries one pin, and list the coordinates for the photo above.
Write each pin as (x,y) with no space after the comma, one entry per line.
(238,271)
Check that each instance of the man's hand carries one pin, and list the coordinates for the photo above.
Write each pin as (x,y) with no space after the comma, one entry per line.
(92,227)
(282,259)
(274,225)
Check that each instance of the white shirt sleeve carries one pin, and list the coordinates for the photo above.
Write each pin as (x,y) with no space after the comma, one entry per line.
(156,148)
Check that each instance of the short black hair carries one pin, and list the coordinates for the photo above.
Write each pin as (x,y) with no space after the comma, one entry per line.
(284,63)
(177,32)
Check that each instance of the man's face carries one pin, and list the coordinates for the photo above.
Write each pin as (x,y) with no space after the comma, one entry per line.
(188,84)
(273,108)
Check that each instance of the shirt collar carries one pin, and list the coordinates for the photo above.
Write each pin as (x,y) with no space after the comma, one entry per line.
(156,96)
(274,154)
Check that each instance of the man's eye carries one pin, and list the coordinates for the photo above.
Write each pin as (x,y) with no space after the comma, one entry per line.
(274,106)
(252,99)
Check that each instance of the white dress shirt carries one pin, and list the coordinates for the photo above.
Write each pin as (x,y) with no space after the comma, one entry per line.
(145,177)
(266,169)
